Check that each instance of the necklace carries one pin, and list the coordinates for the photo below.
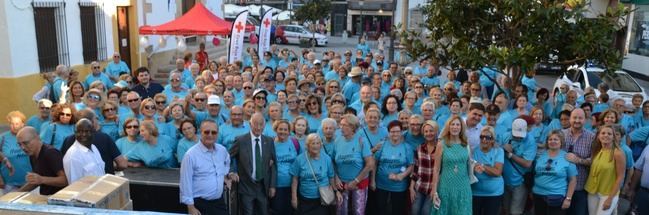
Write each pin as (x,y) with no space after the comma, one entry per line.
(455,169)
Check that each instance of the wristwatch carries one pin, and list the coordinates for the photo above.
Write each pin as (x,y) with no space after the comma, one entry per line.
(510,155)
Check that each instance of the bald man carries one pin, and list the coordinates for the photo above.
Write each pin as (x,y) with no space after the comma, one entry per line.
(83,158)
(46,161)
(255,167)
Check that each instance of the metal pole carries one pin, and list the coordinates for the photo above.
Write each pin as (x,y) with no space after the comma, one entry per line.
(393,32)
(360,3)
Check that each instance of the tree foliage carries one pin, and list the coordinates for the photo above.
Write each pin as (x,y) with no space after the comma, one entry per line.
(313,11)
(514,35)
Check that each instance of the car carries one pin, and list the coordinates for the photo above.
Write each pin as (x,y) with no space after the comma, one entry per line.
(621,84)
(294,33)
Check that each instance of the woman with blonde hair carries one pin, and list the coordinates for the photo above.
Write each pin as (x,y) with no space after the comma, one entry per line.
(15,162)
(451,187)
(422,177)
(154,150)
(488,191)
(555,178)
(606,172)
(110,124)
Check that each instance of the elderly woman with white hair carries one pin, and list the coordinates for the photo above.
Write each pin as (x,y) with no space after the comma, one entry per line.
(328,133)
(353,158)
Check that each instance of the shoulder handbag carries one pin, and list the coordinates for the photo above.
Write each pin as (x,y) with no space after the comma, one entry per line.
(471,165)
(327,196)
(53,134)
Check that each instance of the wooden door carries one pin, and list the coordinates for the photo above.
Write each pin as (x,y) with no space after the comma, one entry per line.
(123,35)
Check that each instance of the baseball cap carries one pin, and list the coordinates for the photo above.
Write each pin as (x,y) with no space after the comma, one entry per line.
(519,128)
(46,103)
(213,99)
(316,62)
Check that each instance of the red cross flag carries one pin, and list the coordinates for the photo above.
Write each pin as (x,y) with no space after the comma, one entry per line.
(236,37)
(264,33)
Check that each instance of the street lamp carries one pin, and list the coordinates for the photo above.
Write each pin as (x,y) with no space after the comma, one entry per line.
(393,34)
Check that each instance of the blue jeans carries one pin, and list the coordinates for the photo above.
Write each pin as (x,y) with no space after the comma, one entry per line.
(641,199)
(579,203)
(421,204)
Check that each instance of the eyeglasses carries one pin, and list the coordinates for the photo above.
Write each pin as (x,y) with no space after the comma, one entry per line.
(116,57)
(133,100)
(109,109)
(149,107)
(65,114)
(292,102)
(160,102)
(210,132)
(337,113)
(313,103)
(548,165)
(419,87)
(475,89)
(94,97)
(132,126)
(199,100)
(486,137)
(338,101)
(333,86)
(260,98)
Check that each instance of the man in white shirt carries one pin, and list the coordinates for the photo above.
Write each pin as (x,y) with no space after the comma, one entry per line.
(473,124)
(83,158)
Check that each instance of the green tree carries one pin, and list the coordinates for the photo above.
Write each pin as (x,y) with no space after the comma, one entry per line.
(312,11)
(514,35)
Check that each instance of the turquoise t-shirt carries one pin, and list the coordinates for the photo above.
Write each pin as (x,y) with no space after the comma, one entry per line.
(18,159)
(161,155)
(126,147)
(349,156)
(227,133)
(488,185)
(183,145)
(286,154)
(56,132)
(36,122)
(412,140)
(553,174)
(374,138)
(526,149)
(393,159)
(111,129)
(323,169)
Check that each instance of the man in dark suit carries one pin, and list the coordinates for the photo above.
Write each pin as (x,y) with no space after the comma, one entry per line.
(254,166)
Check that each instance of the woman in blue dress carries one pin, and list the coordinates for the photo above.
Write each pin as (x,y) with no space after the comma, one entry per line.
(286,152)
(311,170)
(14,156)
(110,124)
(155,150)
(451,186)
(189,138)
(129,142)
(390,108)
(394,163)
(61,126)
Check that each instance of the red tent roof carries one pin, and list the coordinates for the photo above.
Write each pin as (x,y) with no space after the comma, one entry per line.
(197,21)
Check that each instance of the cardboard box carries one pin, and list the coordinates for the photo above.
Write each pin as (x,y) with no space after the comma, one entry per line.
(128,206)
(24,198)
(108,191)
(67,194)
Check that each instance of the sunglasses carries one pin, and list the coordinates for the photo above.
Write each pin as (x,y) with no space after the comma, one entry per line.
(475,89)
(43,108)
(94,97)
(486,137)
(132,127)
(313,103)
(548,165)
(65,114)
(109,109)
(95,67)
(338,102)
(175,80)
(160,102)
(247,88)
(149,107)
(260,98)
(333,86)
(199,100)
(210,132)
(133,100)
(213,105)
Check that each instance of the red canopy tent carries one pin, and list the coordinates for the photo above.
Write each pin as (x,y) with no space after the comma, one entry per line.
(197,21)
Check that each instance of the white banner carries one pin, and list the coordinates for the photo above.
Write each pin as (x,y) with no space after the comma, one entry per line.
(264,33)
(236,37)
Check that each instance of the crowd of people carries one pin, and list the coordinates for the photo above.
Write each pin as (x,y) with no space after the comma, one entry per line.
(338,133)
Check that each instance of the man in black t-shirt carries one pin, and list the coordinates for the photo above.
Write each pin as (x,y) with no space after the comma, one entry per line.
(46,161)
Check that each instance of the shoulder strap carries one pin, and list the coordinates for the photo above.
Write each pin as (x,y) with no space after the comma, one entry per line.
(53,134)
(311,167)
(296,144)
(368,138)
(2,144)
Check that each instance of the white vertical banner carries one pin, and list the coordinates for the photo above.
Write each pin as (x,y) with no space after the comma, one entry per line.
(236,37)
(264,33)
